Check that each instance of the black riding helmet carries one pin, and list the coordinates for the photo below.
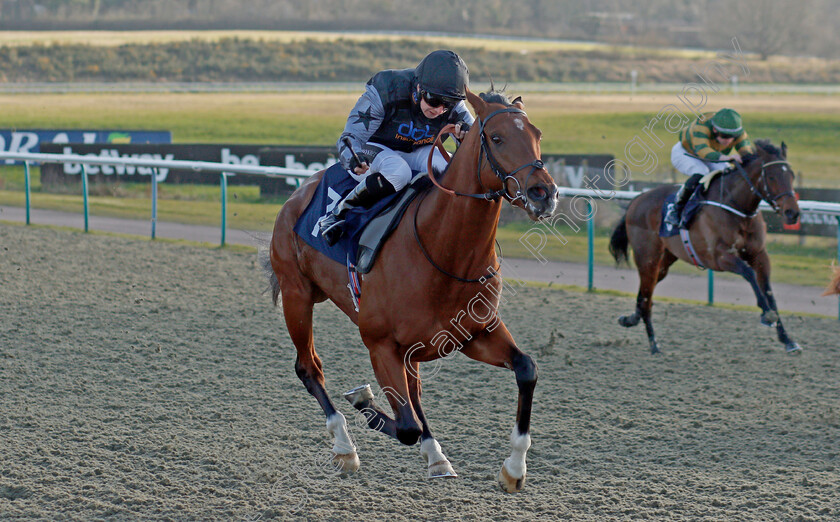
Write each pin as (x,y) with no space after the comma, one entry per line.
(443,73)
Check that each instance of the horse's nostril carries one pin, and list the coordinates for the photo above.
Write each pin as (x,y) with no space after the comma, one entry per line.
(538,193)
(791,215)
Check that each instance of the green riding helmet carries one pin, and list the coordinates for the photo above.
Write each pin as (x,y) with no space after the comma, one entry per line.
(728,122)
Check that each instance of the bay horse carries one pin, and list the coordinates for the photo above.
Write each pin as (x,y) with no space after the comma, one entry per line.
(728,233)
(834,286)
(435,286)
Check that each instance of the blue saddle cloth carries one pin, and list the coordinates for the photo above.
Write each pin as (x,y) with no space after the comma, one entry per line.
(695,202)
(335,184)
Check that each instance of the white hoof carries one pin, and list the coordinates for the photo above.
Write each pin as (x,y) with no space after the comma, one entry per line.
(347,463)
(441,469)
(359,395)
(508,483)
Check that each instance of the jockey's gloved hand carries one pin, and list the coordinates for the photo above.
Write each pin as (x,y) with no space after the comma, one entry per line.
(465,127)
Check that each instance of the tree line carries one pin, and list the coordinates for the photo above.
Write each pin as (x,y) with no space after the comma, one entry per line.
(342,60)
(767,27)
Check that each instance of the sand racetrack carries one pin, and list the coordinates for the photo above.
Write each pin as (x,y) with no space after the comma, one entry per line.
(149,380)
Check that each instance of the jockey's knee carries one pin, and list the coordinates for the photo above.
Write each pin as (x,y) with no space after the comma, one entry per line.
(398,175)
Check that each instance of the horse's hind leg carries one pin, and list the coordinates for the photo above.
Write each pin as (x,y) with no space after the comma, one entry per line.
(297,310)
(761,266)
(650,273)
(438,464)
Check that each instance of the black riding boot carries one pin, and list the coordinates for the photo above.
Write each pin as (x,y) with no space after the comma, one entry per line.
(674,215)
(365,194)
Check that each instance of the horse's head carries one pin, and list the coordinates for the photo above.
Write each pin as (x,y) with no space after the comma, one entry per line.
(775,178)
(511,145)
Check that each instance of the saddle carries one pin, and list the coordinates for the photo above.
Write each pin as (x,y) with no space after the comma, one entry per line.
(365,230)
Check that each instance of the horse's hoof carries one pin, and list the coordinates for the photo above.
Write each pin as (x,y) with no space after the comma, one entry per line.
(654,349)
(508,483)
(628,320)
(359,395)
(793,348)
(346,463)
(770,318)
(442,469)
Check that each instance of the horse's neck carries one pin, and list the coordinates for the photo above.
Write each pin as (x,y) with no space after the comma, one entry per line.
(465,227)
(739,194)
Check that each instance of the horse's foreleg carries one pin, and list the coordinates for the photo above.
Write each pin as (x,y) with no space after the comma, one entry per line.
(737,265)
(438,464)
(297,310)
(498,348)
(761,265)
(390,371)
(372,415)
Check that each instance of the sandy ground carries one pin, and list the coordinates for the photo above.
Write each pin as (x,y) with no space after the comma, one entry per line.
(146,380)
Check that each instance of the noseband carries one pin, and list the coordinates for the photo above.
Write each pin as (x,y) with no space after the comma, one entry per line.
(503,176)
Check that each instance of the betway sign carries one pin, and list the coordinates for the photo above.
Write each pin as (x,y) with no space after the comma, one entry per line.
(309,158)
(30,140)
(569,170)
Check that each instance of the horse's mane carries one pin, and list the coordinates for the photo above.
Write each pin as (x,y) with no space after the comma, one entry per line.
(766,146)
(494,96)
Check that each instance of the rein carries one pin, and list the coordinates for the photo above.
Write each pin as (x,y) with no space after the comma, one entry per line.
(491,160)
(487,196)
(491,273)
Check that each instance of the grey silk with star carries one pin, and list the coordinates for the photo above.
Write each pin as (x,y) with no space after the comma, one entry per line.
(386,115)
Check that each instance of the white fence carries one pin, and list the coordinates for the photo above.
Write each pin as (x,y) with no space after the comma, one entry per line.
(812,207)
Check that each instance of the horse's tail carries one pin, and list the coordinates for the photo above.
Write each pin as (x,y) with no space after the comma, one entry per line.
(619,241)
(265,262)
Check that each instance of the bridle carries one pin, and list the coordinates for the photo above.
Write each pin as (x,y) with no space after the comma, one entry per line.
(765,193)
(486,151)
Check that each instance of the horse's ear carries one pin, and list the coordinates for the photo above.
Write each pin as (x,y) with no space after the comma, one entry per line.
(518,103)
(784,150)
(476,102)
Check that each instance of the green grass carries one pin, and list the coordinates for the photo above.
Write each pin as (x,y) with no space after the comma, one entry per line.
(315,119)
(811,140)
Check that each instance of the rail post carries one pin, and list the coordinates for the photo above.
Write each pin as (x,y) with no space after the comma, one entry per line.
(85,196)
(590,236)
(711,286)
(27,188)
(154,200)
(224,205)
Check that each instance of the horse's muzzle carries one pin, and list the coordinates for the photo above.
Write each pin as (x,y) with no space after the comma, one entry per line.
(542,200)
(791,215)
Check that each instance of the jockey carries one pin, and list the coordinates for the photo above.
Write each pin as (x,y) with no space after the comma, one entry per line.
(392,129)
(708,144)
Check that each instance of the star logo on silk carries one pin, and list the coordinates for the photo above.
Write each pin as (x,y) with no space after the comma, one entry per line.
(364,117)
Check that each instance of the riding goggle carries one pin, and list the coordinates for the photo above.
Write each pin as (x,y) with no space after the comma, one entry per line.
(727,136)
(435,101)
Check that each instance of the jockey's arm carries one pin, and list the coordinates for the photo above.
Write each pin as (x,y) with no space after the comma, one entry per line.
(701,144)
(742,145)
(463,114)
(363,122)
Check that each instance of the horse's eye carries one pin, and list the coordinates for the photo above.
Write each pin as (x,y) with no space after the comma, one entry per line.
(496,139)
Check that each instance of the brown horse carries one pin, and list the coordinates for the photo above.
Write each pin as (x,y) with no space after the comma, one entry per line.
(435,287)
(727,234)
(834,286)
